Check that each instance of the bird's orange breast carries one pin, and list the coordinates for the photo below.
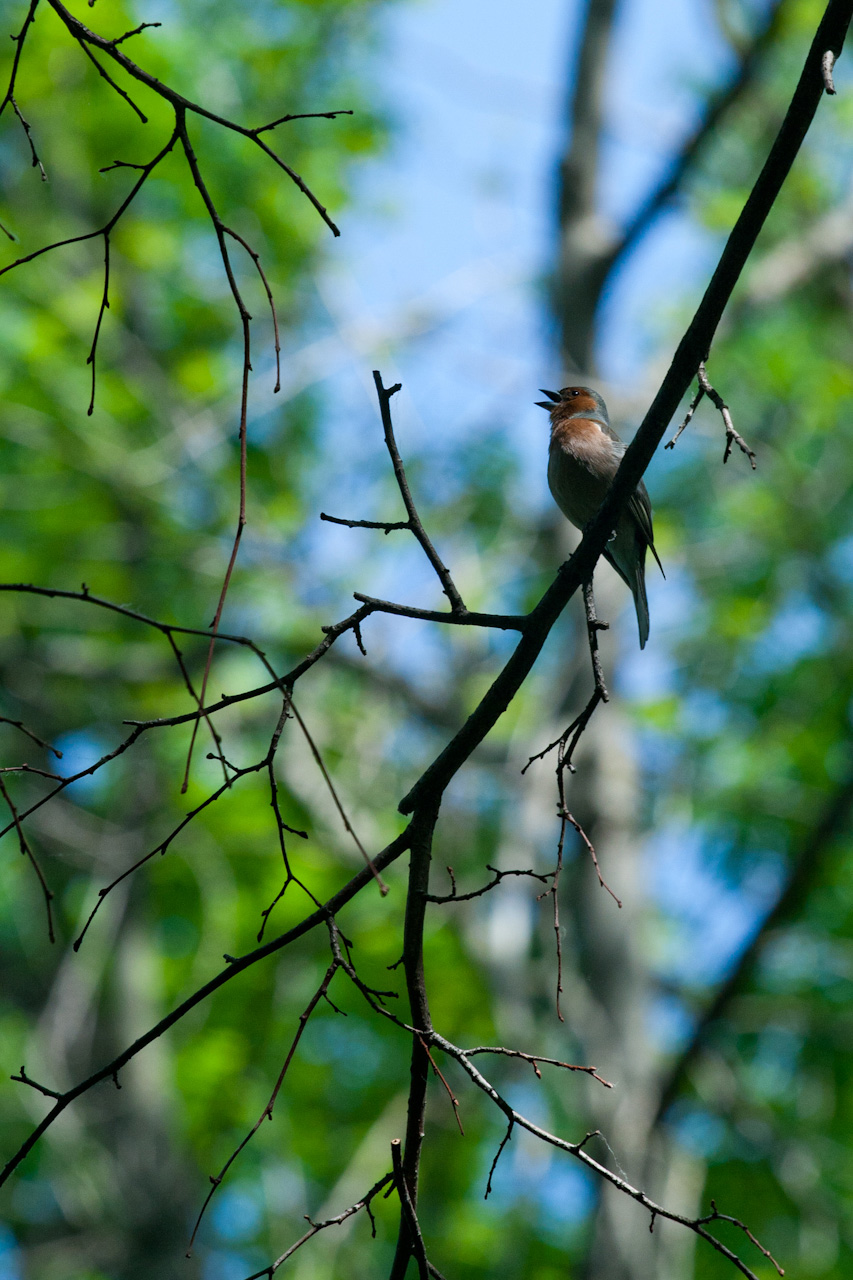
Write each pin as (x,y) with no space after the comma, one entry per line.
(584,439)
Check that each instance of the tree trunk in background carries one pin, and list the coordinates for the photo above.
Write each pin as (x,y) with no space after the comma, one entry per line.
(612,979)
(613,986)
(585,238)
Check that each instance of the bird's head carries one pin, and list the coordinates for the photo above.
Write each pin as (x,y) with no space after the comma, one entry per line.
(574,402)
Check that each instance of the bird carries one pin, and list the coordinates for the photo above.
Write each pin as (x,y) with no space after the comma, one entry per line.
(583,458)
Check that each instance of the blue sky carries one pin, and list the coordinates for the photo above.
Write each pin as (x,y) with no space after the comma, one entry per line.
(452,233)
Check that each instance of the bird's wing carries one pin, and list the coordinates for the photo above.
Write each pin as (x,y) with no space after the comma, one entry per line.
(641,509)
(639,504)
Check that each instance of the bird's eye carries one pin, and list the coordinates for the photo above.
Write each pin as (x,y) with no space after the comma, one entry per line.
(574,392)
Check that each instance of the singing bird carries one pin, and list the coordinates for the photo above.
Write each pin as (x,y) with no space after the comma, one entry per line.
(583,458)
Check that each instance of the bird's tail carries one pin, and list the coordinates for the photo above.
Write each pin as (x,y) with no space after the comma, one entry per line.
(627,554)
(641,604)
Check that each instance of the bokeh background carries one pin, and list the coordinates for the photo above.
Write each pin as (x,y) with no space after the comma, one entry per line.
(718,783)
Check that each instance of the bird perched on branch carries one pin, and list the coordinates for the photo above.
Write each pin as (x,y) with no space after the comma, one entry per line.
(583,458)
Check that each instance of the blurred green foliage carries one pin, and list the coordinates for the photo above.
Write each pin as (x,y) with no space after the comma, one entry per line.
(747,748)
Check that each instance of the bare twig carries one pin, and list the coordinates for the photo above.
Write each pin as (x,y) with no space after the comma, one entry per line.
(467,618)
(37,164)
(221,231)
(27,852)
(383,888)
(234,967)
(569,738)
(387,526)
(694,404)
(447,584)
(497,877)
(23,1078)
(363,1203)
(535,1059)
(18,724)
(104,74)
(19,41)
(504,1140)
(593,626)
(143,26)
(732,436)
(576,1149)
(566,817)
(418,1249)
(454,1101)
(716,1216)
(303,115)
(87,37)
(267,1113)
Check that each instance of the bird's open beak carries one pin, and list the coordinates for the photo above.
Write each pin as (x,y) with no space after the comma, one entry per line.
(552,396)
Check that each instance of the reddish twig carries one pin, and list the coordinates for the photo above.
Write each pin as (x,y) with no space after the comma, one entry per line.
(716,1216)
(454,1101)
(534,1059)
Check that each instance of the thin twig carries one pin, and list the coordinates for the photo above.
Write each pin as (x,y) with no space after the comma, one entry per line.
(504,1140)
(387,526)
(442,572)
(454,1101)
(37,164)
(576,1149)
(497,875)
(593,626)
(732,436)
(18,724)
(303,115)
(23,1078)
(87,37)
(534,1059)
(143,26)
(694,404)
(383,888)
(245,318)
(467,618)
(363,1203)
(716,1216)
(419,1249)
(27,852)
(267,1113)
(570,737)
(104,74)
(19,41)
